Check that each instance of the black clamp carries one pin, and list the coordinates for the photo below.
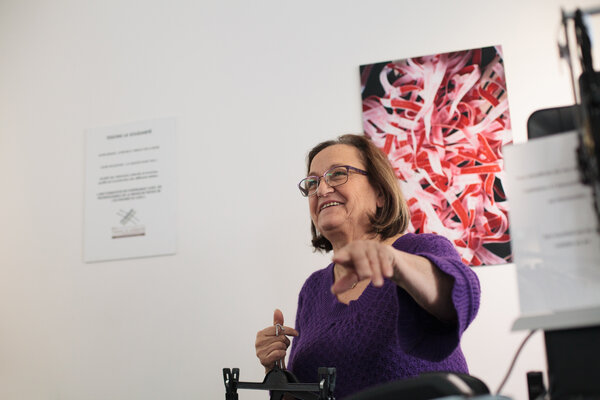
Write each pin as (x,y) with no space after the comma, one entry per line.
(280,382)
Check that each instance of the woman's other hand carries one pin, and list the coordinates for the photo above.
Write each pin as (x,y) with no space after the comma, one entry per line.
(271,347)
(363,259)
(368,259)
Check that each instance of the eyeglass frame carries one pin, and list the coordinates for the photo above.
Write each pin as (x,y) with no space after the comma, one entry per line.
(348,169)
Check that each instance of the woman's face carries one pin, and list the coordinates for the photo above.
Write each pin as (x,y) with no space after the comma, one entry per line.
(342,212)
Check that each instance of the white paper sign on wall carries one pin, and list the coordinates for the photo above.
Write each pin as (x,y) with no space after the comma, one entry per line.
(130,191)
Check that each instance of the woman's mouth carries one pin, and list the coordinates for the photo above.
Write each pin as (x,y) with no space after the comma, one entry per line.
(330,204)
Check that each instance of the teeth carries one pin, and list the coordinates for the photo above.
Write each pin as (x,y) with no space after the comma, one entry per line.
(335,203)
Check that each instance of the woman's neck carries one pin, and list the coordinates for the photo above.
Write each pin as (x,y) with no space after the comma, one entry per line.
(341,241)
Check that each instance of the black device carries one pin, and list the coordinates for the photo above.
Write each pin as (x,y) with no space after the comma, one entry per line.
(432,385)
(551,121)
(426,386)
(587,114)
(589,138)
(573,355)
(280,381)
(535,385)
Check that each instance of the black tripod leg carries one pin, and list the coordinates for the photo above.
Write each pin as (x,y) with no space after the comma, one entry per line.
(231,379)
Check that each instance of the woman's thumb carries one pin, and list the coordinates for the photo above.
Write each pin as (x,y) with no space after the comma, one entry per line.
(278,317)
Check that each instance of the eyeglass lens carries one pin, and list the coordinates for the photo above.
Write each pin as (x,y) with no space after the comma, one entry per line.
(334,177)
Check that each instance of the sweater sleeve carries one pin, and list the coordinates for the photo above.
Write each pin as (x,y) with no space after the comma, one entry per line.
(424,335)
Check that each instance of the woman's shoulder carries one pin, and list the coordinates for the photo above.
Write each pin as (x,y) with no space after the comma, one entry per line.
(418,241)
(323,276)
(427,244)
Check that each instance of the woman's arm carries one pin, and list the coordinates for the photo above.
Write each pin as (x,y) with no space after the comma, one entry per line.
(427,284)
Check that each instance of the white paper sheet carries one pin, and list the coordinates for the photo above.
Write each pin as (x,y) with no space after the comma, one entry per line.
(553,226)
(130,196)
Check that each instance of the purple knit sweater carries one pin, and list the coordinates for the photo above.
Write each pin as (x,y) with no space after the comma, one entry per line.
(383,335)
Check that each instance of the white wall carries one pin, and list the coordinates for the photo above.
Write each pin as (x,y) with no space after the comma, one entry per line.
(253,86)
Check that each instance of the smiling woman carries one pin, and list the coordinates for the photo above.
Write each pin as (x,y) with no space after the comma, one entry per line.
(393,216)
(391,305)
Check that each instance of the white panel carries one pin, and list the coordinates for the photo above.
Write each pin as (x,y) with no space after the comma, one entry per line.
(556,245)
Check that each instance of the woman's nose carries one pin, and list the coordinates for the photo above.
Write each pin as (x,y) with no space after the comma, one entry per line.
(323,188)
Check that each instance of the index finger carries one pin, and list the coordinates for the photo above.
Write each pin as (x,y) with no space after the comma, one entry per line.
(284,330)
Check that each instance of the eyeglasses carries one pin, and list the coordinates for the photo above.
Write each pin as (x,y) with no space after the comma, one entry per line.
(335,176)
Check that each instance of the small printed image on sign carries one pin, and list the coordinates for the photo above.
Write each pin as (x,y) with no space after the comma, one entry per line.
(129,225)
(442,120)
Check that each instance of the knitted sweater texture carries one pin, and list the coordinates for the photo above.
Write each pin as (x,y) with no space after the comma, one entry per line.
(384,335)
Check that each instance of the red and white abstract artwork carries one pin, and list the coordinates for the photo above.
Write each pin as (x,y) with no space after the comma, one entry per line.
(442,120)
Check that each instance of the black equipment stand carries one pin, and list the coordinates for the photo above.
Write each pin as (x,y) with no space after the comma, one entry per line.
(280,382)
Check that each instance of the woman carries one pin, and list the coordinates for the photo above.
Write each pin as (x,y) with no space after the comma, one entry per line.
(390,305)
